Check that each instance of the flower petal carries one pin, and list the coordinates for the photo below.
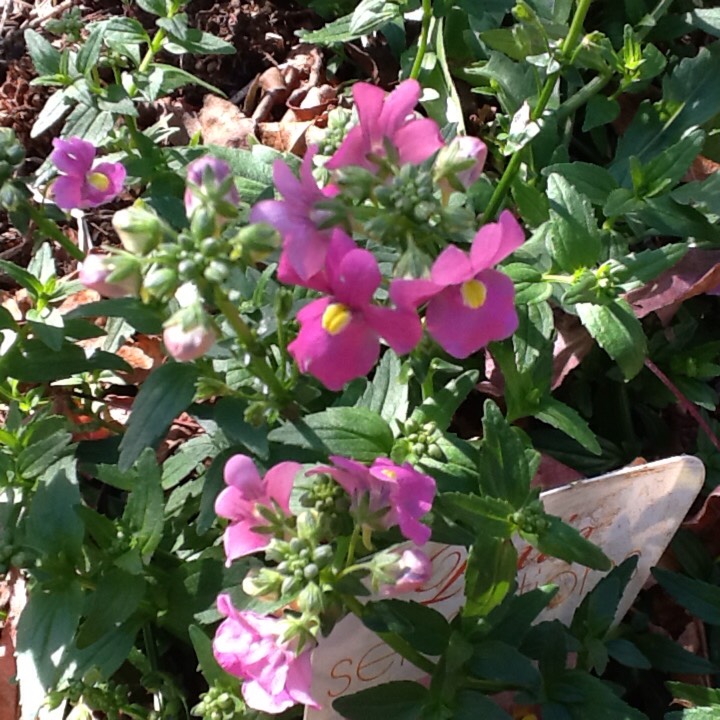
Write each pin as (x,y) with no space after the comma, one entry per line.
(417,140)
(258,698)
(495,241)
(239,540)
(399,327)
(240,472)
(73,156)
(352,151)
(452,267)
(369,101)
(399,105)
(356,279)
(279,483)
(409,293)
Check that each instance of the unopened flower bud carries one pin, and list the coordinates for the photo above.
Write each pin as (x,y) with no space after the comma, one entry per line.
(310,599)
(209,178)
(112,277)
(161,282)
(398,573)
(254,243)
(139,229)
(188,335)
(463,160)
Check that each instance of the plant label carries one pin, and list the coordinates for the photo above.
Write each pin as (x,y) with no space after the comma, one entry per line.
(634,511)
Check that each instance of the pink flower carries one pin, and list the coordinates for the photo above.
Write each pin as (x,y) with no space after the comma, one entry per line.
(393,494)
(94,272)
(296,217)
(207,174)
(469,304)
(188,344)
(465,148)
(246,492)
(411,570)
(82,184)
(387,118)
(340,335)
(249,646)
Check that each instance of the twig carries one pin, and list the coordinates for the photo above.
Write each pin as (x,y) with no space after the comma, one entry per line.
(688,406)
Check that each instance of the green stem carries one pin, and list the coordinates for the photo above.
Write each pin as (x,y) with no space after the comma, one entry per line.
(258,362)
(564,279)
(423,41)
(650,20)
(546,92)
(400,646)
(351,547)
(583,95)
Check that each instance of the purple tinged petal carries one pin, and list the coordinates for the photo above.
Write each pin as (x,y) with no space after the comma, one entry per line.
(461,330)
(240,472)
(279,483)
(495,241)
(73,156)
(400,328)
(352,151)
(284,178)
(115,173)
(369,101)
(275,213)
(417,140)
(67,192)
(306,252)
(409,293)
(356,278)
(299,680)
(451,267)
(399,105)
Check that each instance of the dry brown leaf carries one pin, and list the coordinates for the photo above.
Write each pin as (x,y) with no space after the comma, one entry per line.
(82,297)
(553,474)
(222,123)
(696,273)
(572,343)
(284,136)
(144,353)
(701,169)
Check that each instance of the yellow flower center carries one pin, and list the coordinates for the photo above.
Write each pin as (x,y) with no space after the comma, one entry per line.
(390,474)
(99,181)
(336,318)
(474,293)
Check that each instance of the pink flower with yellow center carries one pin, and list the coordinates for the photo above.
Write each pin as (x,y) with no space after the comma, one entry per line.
(387,118)
(250,646)
(296,216)
(83,184)
(339,336)
(468,303)
(245,493)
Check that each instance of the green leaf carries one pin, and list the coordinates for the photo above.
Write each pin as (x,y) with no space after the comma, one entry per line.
(229,415)
(89,53)
(529,284)
(124,35)
(49,440)
(171,78)
(142,318)
(500,662)
(504,468)
(574,239)
(567,419)
(627,653)
(397,700)
(441,406)
(163,396)
(698,597)
(144,510)
(117,596)
(489,575)
(387,395)
(560,540)
(212,672)
(667,656)
(155,7)
(332,33)
(371,15)
(89,123)
(45,57)
(45,630)
(22,277)
(358,433)
(194,40)
(599,111)
(696,694)
(663,215)
(591,181)
(482,514)
(618,332)
(54,109)
(425,629)
(707,20)
(636,269)
(471,705)
(52,526)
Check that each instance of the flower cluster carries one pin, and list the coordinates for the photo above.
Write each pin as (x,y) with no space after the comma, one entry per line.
(467,303)
(272,655)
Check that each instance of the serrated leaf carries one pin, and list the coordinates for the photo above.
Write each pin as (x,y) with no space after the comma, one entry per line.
(163,396)
(698,597)
(618,332)
(358,433)
(482,514)
(567,419)
(89,123)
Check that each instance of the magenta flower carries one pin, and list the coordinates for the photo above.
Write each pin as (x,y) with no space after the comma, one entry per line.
(385,494)
(249,646)
(387,118)
(340,335)
(204,176)
(94,272)
(411,570)
(246,492)
(82,184)
(296,218)
(469,304)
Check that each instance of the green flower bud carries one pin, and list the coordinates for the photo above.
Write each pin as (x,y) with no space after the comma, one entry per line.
(310,600)
(139,229)
(161,282)
(254,243)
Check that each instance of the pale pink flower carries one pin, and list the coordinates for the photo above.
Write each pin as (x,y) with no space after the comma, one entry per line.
(94,271)
(339,336)
(393,494)
(469,305)
(249,646)
(296,216)
(387,118)
(185,344)
(466,148)
(246,492)
(82,183)
(411,570)
(205,175)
